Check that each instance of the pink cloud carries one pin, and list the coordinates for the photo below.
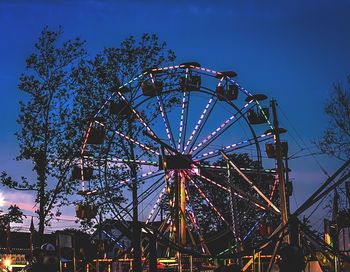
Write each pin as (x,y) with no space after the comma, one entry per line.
(23,200)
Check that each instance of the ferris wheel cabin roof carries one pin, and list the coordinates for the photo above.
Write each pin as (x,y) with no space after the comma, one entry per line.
(122,89)
(227,74)
(189,64)
(257,97)
(273,131)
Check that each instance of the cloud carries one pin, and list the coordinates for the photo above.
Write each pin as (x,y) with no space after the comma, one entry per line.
(23,200)
(26,202)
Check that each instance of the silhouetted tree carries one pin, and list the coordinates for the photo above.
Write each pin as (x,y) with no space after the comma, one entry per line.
(13,215)
(45,136)
(336,137)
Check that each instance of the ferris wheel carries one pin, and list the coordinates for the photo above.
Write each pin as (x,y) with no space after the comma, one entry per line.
(167,143)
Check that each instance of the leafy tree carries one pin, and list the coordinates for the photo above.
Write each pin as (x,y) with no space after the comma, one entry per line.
(336,137)
(13,215)
(45,136)
(335,140)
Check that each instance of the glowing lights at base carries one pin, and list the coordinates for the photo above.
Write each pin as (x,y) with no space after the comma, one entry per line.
(7,262)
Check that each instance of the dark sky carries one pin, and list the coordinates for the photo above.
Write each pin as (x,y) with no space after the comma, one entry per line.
(291,50)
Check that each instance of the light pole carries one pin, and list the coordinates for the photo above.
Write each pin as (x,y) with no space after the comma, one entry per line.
(280,168)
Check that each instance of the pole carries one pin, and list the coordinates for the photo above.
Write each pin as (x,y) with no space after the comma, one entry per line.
(280,170)
(287,182)
(253,266)
(336,263)
(153,253)
(136,229)
(136,265)
(99,242)
(74,253)
(59,252)
(177,216)
(191,264)
(182,199)
(182,222)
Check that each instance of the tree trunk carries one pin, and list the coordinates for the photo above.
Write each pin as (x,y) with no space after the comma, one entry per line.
(41,172)
(137,263)
(41,212)
(136,241)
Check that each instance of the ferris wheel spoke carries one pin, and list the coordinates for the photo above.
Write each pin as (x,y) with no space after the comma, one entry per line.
(200,123)
(113,94)
(182,127)
(250,231)
(184,113)
(143,177)
(166,121)
(264,114)
(150,190)
(115,161)
(82,156)
(243,169)
(145,194)
(234,147)
(252,184)
(171,218)
(137,114)
(233,209)
(161,195)
(143,146)
(185,121)
(237,192)
(211,205)
(219,130)
(213,182)
(139,162)
(164,116)
(86,138)
(190,211)
(160,198)
(240,87)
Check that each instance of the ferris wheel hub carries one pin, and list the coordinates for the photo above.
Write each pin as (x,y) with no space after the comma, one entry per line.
(176,162)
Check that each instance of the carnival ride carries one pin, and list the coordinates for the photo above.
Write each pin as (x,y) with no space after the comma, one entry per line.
(168,139)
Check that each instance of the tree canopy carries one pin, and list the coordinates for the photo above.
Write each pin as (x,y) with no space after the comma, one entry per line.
(13,215)
(335,140)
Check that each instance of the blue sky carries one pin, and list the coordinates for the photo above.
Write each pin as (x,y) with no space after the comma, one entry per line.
(290,50)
